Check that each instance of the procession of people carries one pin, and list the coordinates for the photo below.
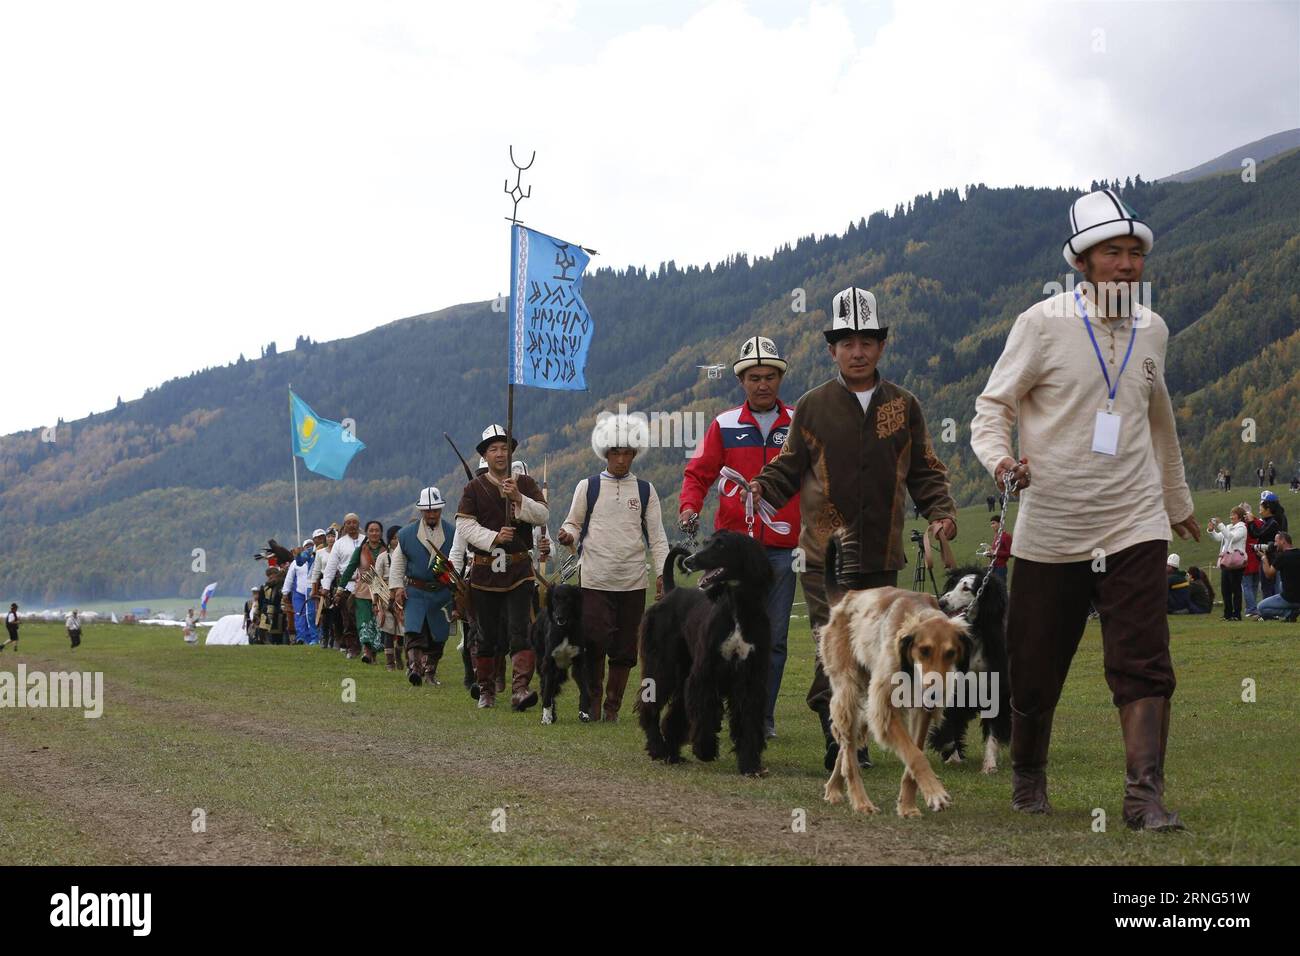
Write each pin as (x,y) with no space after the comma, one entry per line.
(1081,378)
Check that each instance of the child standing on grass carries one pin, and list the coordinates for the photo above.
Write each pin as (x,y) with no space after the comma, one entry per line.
(11,625)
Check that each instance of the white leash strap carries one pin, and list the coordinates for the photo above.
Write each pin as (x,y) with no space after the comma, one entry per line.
(732,483)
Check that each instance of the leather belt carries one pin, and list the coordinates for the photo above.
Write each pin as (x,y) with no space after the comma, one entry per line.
(482,559)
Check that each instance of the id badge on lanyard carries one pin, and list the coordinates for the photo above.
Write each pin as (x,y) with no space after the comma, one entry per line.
(1105,429)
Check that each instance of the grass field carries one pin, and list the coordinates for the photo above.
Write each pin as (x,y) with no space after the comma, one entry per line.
(260,740)
(284,771)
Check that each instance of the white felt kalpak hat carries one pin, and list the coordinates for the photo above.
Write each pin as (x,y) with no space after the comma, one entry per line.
(620,431)
(1173,560)
(758,350)
(318,533)
(854,310)
(495,433)
(1099,216)
(430,500)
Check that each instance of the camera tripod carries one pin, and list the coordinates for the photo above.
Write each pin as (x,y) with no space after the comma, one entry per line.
(918,575)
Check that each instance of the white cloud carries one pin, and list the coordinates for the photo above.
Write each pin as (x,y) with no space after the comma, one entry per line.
(183,183)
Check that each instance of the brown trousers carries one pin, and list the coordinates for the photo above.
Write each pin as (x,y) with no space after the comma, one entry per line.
(1049,611)
(610,621)
(814,595)
(503,619)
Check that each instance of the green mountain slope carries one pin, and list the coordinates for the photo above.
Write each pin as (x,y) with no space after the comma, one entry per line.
(116,505)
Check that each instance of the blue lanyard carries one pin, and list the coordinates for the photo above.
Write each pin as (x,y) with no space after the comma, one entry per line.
(1112,387)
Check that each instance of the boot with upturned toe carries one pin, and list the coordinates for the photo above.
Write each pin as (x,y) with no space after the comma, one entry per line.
(1031,735)
(1145,724)
(521,695)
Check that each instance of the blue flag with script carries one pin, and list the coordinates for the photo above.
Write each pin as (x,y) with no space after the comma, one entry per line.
(325,447)
(550,327)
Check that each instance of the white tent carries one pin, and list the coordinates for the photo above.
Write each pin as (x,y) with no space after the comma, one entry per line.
(228,630)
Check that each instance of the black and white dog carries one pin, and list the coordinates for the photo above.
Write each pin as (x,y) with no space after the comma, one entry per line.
(706,649)
(557,642)
(987,621)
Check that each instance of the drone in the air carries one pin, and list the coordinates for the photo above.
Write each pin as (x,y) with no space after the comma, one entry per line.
(715,371)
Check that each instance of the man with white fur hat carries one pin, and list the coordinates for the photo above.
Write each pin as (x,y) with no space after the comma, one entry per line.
(857,448)
(496,516)
(1082,375)
(614,520)
(742,440)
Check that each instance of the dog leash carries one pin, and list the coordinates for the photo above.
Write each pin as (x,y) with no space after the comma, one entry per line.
(1009,486)
(732,483)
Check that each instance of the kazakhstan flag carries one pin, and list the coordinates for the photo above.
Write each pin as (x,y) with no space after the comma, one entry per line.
(325,447)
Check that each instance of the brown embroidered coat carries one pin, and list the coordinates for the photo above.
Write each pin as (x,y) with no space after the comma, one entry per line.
(857,470)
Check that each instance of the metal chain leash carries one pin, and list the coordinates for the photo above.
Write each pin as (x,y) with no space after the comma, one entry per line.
(1009,486)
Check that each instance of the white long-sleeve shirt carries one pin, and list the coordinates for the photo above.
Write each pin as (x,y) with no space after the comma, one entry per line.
(340,555)
(614,552)
(1231,538)
(298,578)
(1048,382)
(467,528)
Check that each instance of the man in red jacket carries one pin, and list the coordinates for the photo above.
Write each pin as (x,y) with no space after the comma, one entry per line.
(744,439)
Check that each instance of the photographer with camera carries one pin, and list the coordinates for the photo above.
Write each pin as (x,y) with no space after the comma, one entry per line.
(1232,560)
(1286,603)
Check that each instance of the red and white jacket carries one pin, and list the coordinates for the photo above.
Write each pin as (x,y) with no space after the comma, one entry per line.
(735,440)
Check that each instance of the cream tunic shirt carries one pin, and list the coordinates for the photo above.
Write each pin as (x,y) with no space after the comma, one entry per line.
(1048,381)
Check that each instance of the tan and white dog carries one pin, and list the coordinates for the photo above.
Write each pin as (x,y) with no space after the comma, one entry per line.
(870,637)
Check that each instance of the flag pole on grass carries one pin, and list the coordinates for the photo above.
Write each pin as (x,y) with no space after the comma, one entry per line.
(550,328)
(293,453)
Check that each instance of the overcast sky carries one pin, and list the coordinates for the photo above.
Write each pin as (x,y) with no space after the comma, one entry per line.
(181,182)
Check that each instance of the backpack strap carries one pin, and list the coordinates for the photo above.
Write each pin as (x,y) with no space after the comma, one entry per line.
(593,492)
(643,488)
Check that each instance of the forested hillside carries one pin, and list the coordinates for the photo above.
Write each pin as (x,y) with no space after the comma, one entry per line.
(117,503)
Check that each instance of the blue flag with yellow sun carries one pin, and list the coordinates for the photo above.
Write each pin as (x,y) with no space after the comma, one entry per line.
(325,447)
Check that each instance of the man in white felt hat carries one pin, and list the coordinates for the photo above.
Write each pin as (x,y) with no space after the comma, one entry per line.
(857,447)
(744,439)
(420,587)
(496,516)
(1082,374)
(614,522)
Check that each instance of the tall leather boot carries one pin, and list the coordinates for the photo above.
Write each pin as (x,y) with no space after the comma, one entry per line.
(397,651)
(487,682)
(390,659)
(500,672)
(431,658)
(1031,735)
(614,687)
(415,666)
(1145,724)
(521,697)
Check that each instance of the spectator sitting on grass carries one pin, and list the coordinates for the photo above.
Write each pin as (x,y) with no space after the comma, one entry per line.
(1287,561)
(1179,599)
(1200,590)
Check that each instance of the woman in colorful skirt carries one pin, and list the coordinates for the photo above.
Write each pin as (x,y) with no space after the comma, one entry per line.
(390,618)
(363,561)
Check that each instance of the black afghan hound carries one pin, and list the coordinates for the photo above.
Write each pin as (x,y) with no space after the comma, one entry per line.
(701,649)
(556,639)
(988,660)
